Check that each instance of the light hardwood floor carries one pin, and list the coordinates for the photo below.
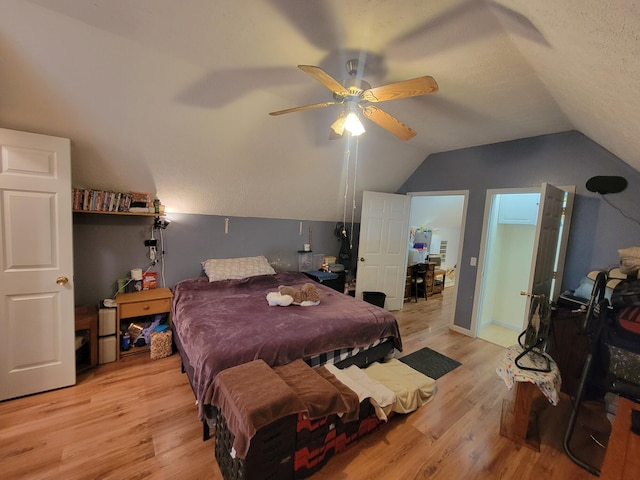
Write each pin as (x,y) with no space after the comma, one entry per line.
(137,419)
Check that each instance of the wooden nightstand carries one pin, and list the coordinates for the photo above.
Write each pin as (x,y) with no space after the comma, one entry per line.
(141,306)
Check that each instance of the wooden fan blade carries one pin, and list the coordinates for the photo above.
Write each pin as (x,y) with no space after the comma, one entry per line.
(325,79)
(404,89)
(388,122)
(304,107)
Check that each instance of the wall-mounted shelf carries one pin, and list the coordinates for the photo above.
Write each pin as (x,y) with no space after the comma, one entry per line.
(115,203)
(137,214)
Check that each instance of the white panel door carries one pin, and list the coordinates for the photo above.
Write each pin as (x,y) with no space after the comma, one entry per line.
(37,351)
(382,250)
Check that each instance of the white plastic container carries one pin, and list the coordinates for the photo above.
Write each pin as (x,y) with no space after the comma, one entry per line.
(106,322)
(107,349)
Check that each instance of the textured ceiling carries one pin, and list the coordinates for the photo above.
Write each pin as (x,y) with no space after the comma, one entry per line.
(173,97)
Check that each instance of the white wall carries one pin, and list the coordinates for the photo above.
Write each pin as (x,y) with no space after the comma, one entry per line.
(443,215)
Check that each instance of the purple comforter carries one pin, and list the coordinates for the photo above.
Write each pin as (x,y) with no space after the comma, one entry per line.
(226,323)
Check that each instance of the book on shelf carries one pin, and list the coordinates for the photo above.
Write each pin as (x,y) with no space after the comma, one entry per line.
(108,201)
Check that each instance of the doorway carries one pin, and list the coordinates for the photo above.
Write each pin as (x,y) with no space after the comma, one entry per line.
(508,250)
(443,215)
(522,254)
(376,234)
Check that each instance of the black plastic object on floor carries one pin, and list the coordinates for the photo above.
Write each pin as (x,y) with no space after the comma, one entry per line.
(430,363)
(374,298)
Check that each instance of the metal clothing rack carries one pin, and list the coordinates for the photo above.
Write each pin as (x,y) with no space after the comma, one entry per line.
(533,339)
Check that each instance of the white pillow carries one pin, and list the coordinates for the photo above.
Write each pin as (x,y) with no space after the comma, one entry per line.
(236,268)
(586,287)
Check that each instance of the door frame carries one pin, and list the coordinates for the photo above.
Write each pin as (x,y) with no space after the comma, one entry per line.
(561,251)
(463,224)
(490,194)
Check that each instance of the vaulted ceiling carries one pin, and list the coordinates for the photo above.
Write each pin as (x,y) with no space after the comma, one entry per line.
(173,97)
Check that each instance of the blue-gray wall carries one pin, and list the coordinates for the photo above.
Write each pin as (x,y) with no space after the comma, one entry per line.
(598,229)
(107,247)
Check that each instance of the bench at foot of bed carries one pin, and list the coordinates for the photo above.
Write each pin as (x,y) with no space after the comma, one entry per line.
(269,436)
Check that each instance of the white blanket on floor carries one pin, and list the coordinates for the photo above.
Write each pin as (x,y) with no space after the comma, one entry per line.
(381,397)
(412,388)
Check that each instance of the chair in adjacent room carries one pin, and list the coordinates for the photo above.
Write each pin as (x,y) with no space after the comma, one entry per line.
(419,281)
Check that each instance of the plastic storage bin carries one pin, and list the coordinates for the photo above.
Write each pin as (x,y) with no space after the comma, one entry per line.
(107,349)
(375,298)
(305,261)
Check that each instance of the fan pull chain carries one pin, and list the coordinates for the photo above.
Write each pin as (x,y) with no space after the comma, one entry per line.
(353,209)
(347,154)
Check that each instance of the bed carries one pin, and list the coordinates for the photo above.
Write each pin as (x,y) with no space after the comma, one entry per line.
(219,324)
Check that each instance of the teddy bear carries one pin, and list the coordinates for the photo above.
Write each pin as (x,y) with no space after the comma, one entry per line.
(306,296)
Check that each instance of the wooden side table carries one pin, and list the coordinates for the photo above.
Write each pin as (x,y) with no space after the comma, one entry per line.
(86,320)
(515,421)
(140,304)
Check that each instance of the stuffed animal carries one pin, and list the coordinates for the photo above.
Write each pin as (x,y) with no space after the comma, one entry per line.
(306,296)
(311,293)
(275,299)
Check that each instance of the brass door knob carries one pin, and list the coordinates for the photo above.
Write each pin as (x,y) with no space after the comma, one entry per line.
(62,280)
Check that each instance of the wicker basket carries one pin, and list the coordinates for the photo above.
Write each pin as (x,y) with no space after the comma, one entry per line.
(161,344)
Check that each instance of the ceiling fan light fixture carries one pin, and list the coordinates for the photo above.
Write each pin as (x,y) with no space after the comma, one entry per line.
(353,125)
(338,125)
(355,93)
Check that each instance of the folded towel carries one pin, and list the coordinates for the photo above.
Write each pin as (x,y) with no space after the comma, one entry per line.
(251,396)
(320,396)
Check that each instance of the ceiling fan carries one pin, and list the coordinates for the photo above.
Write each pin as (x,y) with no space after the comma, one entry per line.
(357,95)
